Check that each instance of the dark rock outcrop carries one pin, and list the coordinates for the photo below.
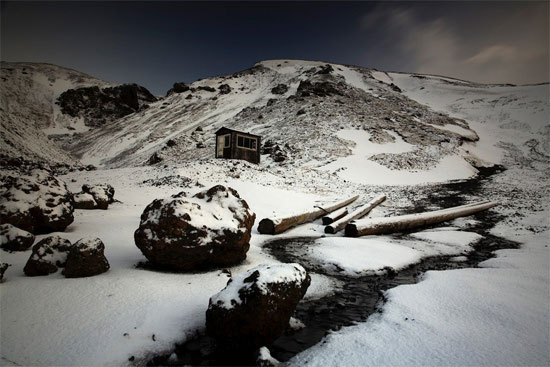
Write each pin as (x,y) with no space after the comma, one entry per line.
(178,88)
(279,89)
(15,239)
(47,256)
(325,69)
(210,229)
(86,258)
(206,88)
(100,105)
(37,203)
(276,152)
(224,89)
(255,307)
(320,89)
(154,159)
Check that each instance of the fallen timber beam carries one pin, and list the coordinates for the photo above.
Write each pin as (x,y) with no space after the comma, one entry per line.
(356,214)
(375,226)
(334,216)
(280,225)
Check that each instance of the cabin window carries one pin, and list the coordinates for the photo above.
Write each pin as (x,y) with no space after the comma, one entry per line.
(227,141)
(246,142)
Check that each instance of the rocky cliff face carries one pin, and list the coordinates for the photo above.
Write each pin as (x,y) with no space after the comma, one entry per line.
(97,106)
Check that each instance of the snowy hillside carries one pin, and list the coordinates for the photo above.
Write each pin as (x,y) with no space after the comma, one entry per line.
(313,110)
(471,291)
(28,112)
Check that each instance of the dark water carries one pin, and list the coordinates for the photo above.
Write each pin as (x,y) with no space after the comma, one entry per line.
(359,297)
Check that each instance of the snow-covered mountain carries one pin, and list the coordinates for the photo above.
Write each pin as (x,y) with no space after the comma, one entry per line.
(303,106)
(28,112)
(40,102)
(319,116)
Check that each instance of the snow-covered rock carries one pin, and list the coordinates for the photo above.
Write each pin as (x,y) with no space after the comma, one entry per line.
(265,359)
(94,197)
(15,239)
(37,202)
(83,200)
(212,228)
(86,258)
(255,307)
(47,256)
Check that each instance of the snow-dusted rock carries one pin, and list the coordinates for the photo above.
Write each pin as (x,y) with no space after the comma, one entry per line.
(37,203)
(86,258)
(103,194)
(255,307)
(3,268)
(47,256)
(209,229)
(83,200)
(15,239)
(265,359)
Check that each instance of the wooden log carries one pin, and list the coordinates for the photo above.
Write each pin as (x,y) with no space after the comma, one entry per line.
(280,225)
(401,223)
(356,214)
(334,216)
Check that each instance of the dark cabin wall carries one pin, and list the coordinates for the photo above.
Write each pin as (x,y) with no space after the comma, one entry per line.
(252,156)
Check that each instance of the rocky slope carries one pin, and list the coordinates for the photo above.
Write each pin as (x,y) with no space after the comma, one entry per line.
(40,102)
(298,105)
(309,114)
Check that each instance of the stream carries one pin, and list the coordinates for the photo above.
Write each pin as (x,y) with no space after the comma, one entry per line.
(359,297)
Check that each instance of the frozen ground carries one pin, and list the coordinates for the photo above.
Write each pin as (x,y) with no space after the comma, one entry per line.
(497,314)
(494,315)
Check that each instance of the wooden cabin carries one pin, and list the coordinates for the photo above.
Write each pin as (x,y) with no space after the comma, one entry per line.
(232,144)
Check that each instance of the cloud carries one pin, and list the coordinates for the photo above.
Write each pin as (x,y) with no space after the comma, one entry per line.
(510,46)
(493,54)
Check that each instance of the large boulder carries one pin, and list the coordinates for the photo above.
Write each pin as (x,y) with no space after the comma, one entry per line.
(86,258)
(209,229)
(37,202)
(83,200)
(255,307)
(47,256)
(94,197)
(15,239)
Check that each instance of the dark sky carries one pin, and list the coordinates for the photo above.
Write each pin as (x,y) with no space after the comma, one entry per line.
(158,43)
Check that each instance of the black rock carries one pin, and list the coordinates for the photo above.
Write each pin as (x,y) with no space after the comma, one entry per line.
(86,258)
(279,89)
(100,105)
(178,88)
(224,89)
(15,239)
(255,307)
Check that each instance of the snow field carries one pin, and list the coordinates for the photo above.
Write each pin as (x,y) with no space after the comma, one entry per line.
(359,169)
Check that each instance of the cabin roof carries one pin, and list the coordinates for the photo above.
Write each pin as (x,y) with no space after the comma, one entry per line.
(224,130)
